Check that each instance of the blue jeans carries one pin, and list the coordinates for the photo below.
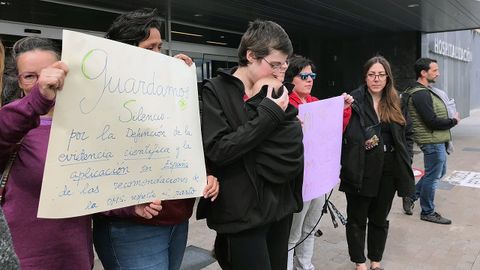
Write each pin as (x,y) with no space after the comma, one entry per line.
(435,162)
(127,245)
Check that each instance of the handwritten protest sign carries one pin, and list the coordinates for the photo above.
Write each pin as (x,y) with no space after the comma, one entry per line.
(125,130)
(322,140)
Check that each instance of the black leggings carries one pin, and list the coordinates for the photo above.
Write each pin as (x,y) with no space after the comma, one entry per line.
(262,248)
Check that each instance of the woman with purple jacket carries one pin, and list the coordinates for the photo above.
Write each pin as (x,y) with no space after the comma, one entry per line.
(40,243)
(8,258)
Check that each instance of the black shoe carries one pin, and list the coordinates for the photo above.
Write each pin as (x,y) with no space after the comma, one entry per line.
(408,205)
(435,218)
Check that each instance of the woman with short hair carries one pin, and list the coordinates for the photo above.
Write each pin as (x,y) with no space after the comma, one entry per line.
(253,144)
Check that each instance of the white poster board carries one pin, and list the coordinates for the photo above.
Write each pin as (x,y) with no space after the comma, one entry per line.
(322,133)
(126,130)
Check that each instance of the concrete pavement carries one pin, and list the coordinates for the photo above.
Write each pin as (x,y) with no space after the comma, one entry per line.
(412,244)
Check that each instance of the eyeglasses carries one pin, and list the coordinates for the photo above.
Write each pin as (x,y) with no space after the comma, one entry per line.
(28,77)
(304,75)
(381,76)
(277,65)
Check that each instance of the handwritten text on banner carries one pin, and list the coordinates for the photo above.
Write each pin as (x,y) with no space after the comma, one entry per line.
(125,131)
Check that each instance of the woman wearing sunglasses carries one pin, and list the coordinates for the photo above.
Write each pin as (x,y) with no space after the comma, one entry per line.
(376,162)
(301,73)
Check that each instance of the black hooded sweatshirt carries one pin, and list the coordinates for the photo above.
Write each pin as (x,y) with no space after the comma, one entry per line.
(255,150)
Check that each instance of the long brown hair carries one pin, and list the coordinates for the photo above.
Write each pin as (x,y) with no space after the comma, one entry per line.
(2,68)
(389,107)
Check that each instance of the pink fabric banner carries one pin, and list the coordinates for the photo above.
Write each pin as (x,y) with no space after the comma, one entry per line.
(322,140)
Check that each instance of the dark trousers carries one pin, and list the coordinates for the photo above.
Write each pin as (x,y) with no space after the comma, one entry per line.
(375,210)
(262,248)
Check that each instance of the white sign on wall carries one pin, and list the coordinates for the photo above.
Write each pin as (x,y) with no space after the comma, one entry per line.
(444,48)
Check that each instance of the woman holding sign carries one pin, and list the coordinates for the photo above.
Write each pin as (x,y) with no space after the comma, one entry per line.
(40,243)
(124,240)
(376,162)
(8,258)
(301,73)
(253,144)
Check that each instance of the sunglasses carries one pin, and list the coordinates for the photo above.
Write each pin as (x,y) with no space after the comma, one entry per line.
(304,76)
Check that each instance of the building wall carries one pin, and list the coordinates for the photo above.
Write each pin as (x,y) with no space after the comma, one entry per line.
(340,61)
(459,78)
(475,72)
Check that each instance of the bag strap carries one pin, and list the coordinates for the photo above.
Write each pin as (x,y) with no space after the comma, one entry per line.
(6,171)
(409,92)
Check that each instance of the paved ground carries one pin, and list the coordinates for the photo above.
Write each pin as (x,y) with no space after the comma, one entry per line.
(412,244)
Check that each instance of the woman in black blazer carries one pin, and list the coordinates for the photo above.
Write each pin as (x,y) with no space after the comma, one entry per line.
(376,162)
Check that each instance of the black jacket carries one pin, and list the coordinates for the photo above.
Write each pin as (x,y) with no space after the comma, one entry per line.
(255,150)
(354,165)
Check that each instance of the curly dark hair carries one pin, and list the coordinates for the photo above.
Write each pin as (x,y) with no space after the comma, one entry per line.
(134,27)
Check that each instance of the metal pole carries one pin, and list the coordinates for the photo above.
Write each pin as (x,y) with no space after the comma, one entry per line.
(168,25)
